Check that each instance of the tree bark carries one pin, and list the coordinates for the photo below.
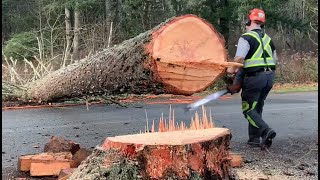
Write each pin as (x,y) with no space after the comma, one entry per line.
(184,55)
(109,20)
(76,38)
(146,15)
(68,36)
(190,154)
(110,35)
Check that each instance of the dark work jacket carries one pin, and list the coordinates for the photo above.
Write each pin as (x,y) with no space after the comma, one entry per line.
(254,44)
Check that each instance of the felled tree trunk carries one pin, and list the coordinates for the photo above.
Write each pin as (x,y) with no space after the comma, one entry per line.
(188,154)
(183,55)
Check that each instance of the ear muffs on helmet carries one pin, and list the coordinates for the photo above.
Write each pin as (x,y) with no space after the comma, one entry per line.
(248,21)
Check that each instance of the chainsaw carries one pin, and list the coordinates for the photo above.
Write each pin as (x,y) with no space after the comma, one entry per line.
(232,88)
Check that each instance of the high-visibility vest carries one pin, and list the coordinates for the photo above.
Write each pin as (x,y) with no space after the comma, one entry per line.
(257,58)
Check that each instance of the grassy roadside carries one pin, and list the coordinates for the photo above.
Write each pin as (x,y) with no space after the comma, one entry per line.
(287,87)
(277,88)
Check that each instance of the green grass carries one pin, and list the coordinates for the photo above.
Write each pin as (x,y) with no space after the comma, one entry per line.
(295,89)
(282,89)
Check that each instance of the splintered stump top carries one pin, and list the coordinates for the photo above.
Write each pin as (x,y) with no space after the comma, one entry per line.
(189,54)
(186,154)
(169,138)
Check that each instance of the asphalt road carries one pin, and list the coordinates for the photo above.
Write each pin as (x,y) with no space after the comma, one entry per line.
(291,115)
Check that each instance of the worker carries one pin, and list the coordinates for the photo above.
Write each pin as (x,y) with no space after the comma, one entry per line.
(257,52)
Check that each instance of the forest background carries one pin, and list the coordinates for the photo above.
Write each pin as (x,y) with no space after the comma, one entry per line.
(40,36)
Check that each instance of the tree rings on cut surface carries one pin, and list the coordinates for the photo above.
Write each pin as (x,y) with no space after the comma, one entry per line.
(188,52)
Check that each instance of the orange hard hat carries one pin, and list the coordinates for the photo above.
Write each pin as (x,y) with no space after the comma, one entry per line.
(257,15)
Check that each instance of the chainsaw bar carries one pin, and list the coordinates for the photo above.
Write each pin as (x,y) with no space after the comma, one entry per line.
(205,100)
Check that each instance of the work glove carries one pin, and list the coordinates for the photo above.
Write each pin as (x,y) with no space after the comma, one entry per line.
(232,70)
(234,83)
(234,88)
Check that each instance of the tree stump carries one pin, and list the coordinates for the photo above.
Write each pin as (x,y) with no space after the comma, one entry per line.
(182,154)
(183,55)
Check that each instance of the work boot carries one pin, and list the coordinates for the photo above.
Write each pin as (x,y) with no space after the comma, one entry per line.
(255,142)
(267,137)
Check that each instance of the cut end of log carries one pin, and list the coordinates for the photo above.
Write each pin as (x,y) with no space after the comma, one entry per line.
(187,52)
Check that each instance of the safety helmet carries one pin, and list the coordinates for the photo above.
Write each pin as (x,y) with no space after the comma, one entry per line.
(256,15)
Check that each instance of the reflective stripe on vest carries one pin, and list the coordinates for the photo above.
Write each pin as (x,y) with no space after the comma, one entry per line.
(257,57)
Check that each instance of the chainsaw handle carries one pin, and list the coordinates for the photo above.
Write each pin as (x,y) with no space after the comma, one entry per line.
(228,64)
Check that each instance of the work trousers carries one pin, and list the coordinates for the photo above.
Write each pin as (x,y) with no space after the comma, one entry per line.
(255,89)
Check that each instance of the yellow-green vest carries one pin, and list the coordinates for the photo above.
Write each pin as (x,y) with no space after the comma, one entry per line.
(257,57)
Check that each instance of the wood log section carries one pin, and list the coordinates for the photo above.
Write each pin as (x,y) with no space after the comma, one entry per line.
(64,158)
(48,169)
(183,55)
(174,152)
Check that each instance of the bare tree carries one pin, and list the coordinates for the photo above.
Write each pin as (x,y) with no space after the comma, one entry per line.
(68,36)
(109,20)
(76,39)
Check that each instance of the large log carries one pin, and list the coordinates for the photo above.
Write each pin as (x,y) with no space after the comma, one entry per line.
(183,55)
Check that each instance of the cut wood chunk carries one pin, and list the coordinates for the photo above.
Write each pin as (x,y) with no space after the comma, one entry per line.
(65,173)
(59,144)
(183,55)
(24,162)
(80,155)
(185,154)
(236,160)
(48,168)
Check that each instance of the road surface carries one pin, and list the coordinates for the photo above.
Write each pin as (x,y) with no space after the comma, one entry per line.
(292,115)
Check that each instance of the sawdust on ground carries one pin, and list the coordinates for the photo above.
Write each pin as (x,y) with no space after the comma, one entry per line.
(295,158)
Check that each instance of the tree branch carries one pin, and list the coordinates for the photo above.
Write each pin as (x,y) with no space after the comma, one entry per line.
(312,39)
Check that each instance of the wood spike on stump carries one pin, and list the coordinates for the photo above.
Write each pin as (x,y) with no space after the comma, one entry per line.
(183,55)
(172,153)
(196,123)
